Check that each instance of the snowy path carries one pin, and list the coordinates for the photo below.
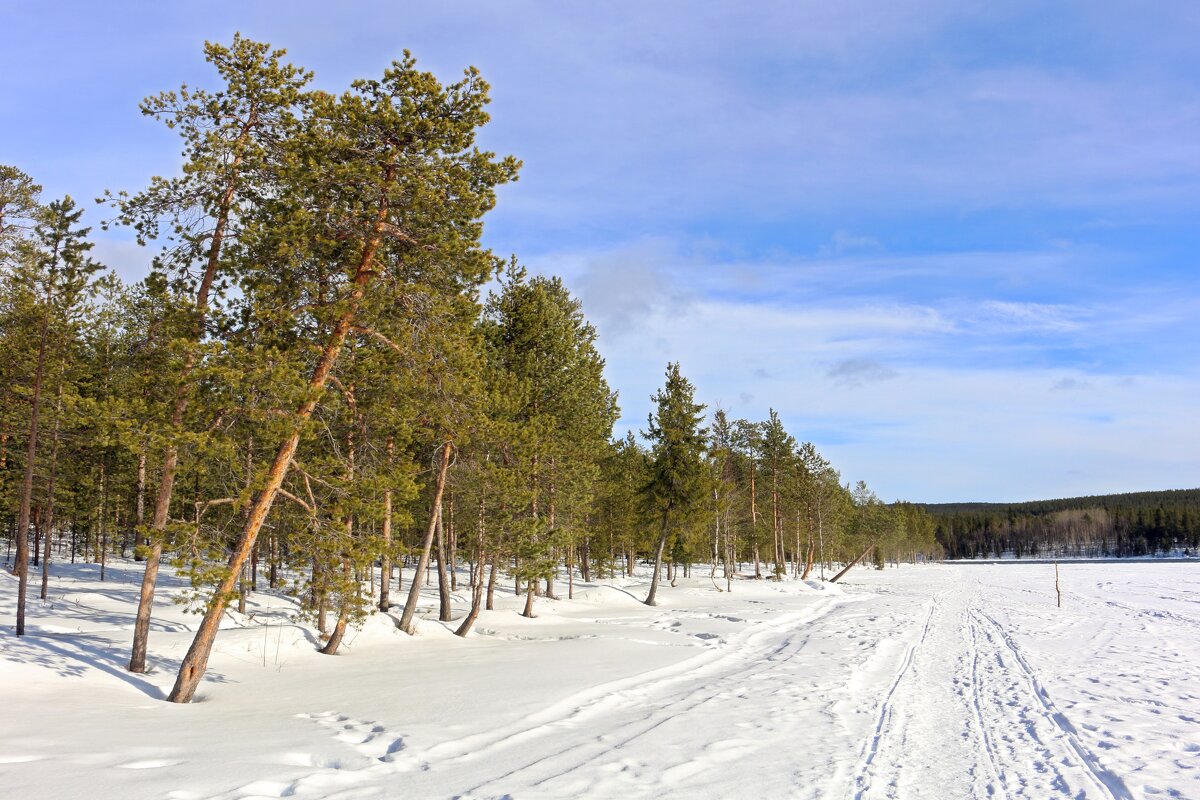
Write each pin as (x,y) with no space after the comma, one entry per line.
(938,681)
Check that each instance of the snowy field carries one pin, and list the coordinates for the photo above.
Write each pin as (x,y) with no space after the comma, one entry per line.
(937,681)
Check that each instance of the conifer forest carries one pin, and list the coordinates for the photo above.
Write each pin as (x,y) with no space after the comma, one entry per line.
(326,377)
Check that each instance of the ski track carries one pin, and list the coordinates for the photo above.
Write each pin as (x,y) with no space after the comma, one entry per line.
(861,777)
(1103,781)
(935,690)
(988,745)
(586,742)
(654,698)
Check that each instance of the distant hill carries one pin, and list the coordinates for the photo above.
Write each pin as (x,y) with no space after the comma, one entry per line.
(1115,525)
(1127,500)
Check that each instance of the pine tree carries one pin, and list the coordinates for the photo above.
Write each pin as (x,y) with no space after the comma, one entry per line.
(232,141)
(560,414)
(675,492)
(777,448)
(47,289)
(381,183)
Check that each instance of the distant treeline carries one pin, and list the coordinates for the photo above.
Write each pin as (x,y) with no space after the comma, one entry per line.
(1118,525)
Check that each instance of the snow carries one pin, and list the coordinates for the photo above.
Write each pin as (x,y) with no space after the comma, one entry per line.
(939,680)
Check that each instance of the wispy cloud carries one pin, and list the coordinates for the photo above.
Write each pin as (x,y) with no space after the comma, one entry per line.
(853,372)
(1036,316)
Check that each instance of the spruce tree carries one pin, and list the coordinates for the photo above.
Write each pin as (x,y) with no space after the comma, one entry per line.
(560,413)
(47,289)
(677,486)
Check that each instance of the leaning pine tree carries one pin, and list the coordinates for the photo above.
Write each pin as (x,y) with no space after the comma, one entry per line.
(232,139)
(677,485)
(383,177)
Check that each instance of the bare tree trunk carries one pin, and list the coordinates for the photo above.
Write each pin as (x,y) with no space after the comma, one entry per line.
(343,618)
(858,558)
(651,598)
(103,518)
(797,554)
(754,519)
(22,558)
(476,603)
(452,535)
(528,611)
(385,563)
(320,597)
(273,572)
(821,538)
(249,468)
(444,610)
(810,557)
(477,586)
(39,513)
(49,522)
(139,512)
(414,588)
(776,523)
(491,589)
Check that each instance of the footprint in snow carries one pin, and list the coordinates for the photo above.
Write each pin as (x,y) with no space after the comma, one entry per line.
(365,736)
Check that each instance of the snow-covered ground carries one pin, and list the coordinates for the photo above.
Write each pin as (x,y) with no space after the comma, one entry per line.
(934,681)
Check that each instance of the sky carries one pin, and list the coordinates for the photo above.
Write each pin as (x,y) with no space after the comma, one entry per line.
(953,244)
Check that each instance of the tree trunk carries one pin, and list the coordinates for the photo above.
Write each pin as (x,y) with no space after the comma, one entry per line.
(651,598)
(246,481)
(477,586)
(22,558)
(139,509)
(491,589)
(343,618)
(528,611)
(754,518)
(476,603)
(414,587)
(452,535)
(103,519)
(385,563)
(39,513)
(49,521)
(444,610)
(273,570)
(858,558)
(776,523)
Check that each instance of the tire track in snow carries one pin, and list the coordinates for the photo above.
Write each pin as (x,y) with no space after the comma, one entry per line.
(1108,784)
(871,749)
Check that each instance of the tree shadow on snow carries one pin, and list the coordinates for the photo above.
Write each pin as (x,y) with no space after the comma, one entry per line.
(74,655)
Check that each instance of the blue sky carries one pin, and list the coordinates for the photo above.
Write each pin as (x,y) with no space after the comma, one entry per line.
(953,243)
